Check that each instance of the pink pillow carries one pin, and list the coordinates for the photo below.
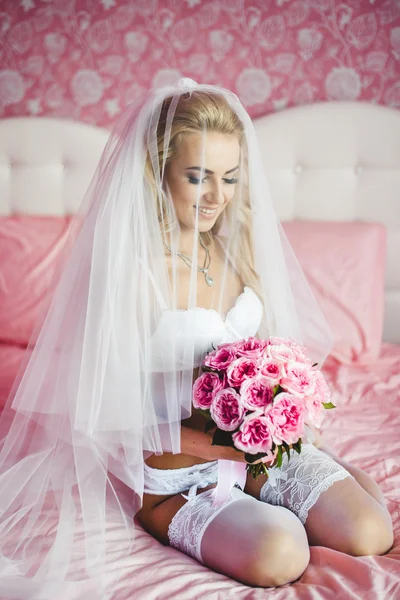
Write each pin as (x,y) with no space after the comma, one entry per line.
(344,263)
(29,249)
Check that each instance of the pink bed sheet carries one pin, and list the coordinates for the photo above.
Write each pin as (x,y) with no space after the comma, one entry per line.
(364,430)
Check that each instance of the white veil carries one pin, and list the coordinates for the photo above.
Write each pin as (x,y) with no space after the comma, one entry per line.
(104,384)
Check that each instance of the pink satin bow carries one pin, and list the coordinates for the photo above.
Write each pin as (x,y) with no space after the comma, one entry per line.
(229,473)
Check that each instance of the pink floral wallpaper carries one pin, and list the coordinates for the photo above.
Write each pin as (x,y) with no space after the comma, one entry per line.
(87,59)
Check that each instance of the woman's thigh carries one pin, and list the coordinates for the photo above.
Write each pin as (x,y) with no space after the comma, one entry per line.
(156,520)
(347,518)
(336,510)
(255,543)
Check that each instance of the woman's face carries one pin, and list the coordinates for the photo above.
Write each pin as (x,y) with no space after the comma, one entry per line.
(203,175)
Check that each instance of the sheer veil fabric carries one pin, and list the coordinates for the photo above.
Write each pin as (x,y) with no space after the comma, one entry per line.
(106,381)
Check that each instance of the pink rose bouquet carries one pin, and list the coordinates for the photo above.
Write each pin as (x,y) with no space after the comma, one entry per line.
(258,396)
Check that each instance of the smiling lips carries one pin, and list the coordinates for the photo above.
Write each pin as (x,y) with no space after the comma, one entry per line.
(209,212)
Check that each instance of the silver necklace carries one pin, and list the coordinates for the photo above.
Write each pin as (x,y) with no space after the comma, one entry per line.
(204,269)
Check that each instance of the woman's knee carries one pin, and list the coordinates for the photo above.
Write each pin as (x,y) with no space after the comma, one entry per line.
(278,557)
(371,533)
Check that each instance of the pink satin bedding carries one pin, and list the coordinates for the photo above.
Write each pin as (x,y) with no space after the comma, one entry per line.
(364,430)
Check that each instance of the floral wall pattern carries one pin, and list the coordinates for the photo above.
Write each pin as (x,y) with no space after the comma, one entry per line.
(87,59)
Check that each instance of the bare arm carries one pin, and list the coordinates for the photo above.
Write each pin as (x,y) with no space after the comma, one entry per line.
(197,443)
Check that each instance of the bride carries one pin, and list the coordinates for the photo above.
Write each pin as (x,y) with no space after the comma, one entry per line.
(176,249)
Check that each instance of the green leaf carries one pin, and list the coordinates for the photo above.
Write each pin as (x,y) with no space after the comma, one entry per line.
(205,413)
(252,470)
(257,470)
(297,446)
(287,449)
(279,457)
(328,405)
(250,458)
(222,438)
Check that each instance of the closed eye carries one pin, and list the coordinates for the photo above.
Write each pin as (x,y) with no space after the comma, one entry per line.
(196,181)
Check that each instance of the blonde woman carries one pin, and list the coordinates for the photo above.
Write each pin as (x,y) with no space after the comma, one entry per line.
(176,249)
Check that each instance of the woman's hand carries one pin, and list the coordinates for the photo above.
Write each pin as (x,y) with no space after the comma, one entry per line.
(229,453)
(197,443)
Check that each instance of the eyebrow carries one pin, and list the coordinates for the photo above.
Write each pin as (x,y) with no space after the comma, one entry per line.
(208,170)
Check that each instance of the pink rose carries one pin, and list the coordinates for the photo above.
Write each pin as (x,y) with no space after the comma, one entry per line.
(321,387)
(221,358)
(301,357)
(315,403)
(286,418)
(232,345)
(204,389)
(254,435)
(251,347)
(273,371)
(241,369)
(315,410)
(299,379)
(227,411)
(290,342)
(299,351)
(275,340)
(280,352)
(256,393)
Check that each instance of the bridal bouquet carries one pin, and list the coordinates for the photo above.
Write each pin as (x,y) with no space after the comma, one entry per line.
(260,394)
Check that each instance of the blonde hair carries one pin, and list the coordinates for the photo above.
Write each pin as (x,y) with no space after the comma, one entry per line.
(211,112)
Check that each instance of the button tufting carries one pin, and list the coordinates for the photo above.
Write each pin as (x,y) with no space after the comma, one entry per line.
(297,168)
(358,169)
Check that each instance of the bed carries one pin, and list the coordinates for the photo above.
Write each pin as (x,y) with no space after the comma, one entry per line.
(334,172)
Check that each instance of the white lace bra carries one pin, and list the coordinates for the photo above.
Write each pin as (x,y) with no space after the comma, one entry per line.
(192,333)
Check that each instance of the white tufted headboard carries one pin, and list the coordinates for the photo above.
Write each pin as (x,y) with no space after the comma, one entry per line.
(46,164)
(328,161)
(339,161)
